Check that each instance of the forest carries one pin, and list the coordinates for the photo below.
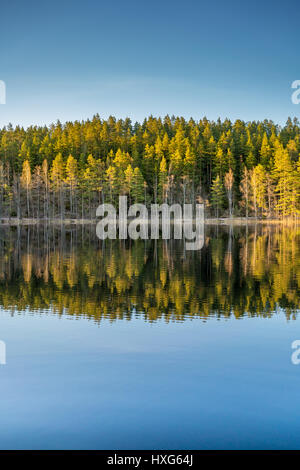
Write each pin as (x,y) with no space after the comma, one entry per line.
(244,169)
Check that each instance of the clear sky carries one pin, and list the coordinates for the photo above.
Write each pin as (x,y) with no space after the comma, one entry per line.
(68,60)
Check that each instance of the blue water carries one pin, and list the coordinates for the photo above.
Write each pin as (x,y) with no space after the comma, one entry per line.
(217,384)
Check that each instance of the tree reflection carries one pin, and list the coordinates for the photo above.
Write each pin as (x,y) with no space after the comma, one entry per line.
(245,271)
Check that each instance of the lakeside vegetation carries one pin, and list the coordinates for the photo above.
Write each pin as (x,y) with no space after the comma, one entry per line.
(240,169)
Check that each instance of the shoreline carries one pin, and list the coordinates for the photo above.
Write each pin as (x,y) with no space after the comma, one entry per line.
(14,221)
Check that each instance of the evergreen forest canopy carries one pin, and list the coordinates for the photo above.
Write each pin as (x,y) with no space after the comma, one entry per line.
(66,170)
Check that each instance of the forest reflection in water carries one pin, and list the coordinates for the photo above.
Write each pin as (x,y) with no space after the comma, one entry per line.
(240,271)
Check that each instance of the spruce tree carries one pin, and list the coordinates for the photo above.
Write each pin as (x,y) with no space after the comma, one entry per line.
(217,195)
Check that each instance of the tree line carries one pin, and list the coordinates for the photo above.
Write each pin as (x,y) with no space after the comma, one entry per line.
(249,169)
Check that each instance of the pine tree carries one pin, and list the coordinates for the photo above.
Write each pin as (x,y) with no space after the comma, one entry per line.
(57,178)
(217,195)
(190,171)
(162,181)
(286,183)
(129,181)
(266,153)
(112,183)
(45,178)
(37,183)
(26,183)
(258,189)
(72,181)
(228,182)
(138,187)
(245,188)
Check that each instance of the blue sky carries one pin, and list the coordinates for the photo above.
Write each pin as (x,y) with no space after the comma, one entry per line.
(68,60)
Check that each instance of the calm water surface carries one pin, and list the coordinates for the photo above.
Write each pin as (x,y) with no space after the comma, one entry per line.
(145,345)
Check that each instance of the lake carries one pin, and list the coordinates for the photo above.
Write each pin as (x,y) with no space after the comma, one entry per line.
(145,345)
